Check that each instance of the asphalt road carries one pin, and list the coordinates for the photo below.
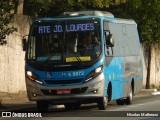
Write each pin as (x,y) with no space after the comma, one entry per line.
(143,108)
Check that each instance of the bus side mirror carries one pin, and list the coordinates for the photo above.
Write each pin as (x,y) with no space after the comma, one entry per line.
(24,43)
(111,40)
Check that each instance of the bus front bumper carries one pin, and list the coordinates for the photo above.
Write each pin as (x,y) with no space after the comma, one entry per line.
(86,92)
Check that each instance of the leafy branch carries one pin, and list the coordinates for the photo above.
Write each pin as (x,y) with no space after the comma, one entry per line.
(7,8)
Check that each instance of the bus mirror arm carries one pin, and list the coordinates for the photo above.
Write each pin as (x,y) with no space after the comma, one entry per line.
(111,40)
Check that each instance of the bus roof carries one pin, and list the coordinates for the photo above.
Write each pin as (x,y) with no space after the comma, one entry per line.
(87,13)
(77,14)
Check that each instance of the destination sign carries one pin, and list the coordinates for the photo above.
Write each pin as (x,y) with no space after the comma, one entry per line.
(68,28)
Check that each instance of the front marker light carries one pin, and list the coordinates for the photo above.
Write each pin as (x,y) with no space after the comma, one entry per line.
(90,78)
(38,81)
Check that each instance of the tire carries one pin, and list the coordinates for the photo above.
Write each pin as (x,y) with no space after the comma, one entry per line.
(129,99)
(102,103)
(76,105)
(42,106)
(70,106)
(120,102)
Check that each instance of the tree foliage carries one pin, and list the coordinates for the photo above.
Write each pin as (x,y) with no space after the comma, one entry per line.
(36,8)
(7,8)
(146,14)
(43,8)
(97,3)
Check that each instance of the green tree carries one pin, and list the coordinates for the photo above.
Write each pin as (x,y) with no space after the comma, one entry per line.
(7,8)
(146,13)
(35,8)
(43,8)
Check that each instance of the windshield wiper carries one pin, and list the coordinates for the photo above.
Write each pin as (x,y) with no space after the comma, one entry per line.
(78,58)
(50,56)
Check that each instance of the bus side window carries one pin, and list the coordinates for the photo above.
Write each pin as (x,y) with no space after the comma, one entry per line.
(108,46)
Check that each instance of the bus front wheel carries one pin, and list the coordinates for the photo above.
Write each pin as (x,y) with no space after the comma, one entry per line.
(70,106)
(129,99)
(102,103)
(120,102)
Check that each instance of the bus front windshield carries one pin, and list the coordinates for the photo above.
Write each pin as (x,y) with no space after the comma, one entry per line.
(64,41)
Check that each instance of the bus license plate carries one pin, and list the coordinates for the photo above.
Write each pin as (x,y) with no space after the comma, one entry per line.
(65,91)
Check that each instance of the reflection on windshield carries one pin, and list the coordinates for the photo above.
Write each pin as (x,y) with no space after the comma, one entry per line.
(59,42)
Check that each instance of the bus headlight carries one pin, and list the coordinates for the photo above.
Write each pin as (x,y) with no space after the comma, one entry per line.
(29,74)
(33,77)
(94,73)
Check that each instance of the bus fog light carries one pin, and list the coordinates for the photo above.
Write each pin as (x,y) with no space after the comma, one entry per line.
(34,95)
(95,91)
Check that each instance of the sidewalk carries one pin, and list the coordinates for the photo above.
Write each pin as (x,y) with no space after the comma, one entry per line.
(148,92)
(21,98)
(14,98)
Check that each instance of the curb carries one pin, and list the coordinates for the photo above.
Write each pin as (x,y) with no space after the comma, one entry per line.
(147,92)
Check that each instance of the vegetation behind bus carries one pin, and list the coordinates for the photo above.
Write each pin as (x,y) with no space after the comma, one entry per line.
(7,9)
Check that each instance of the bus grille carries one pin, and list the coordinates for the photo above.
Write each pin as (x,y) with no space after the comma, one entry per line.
(73,91)
(72,81)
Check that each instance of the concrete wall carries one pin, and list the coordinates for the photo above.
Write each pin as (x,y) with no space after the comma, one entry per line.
(12,58)
(155,66)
